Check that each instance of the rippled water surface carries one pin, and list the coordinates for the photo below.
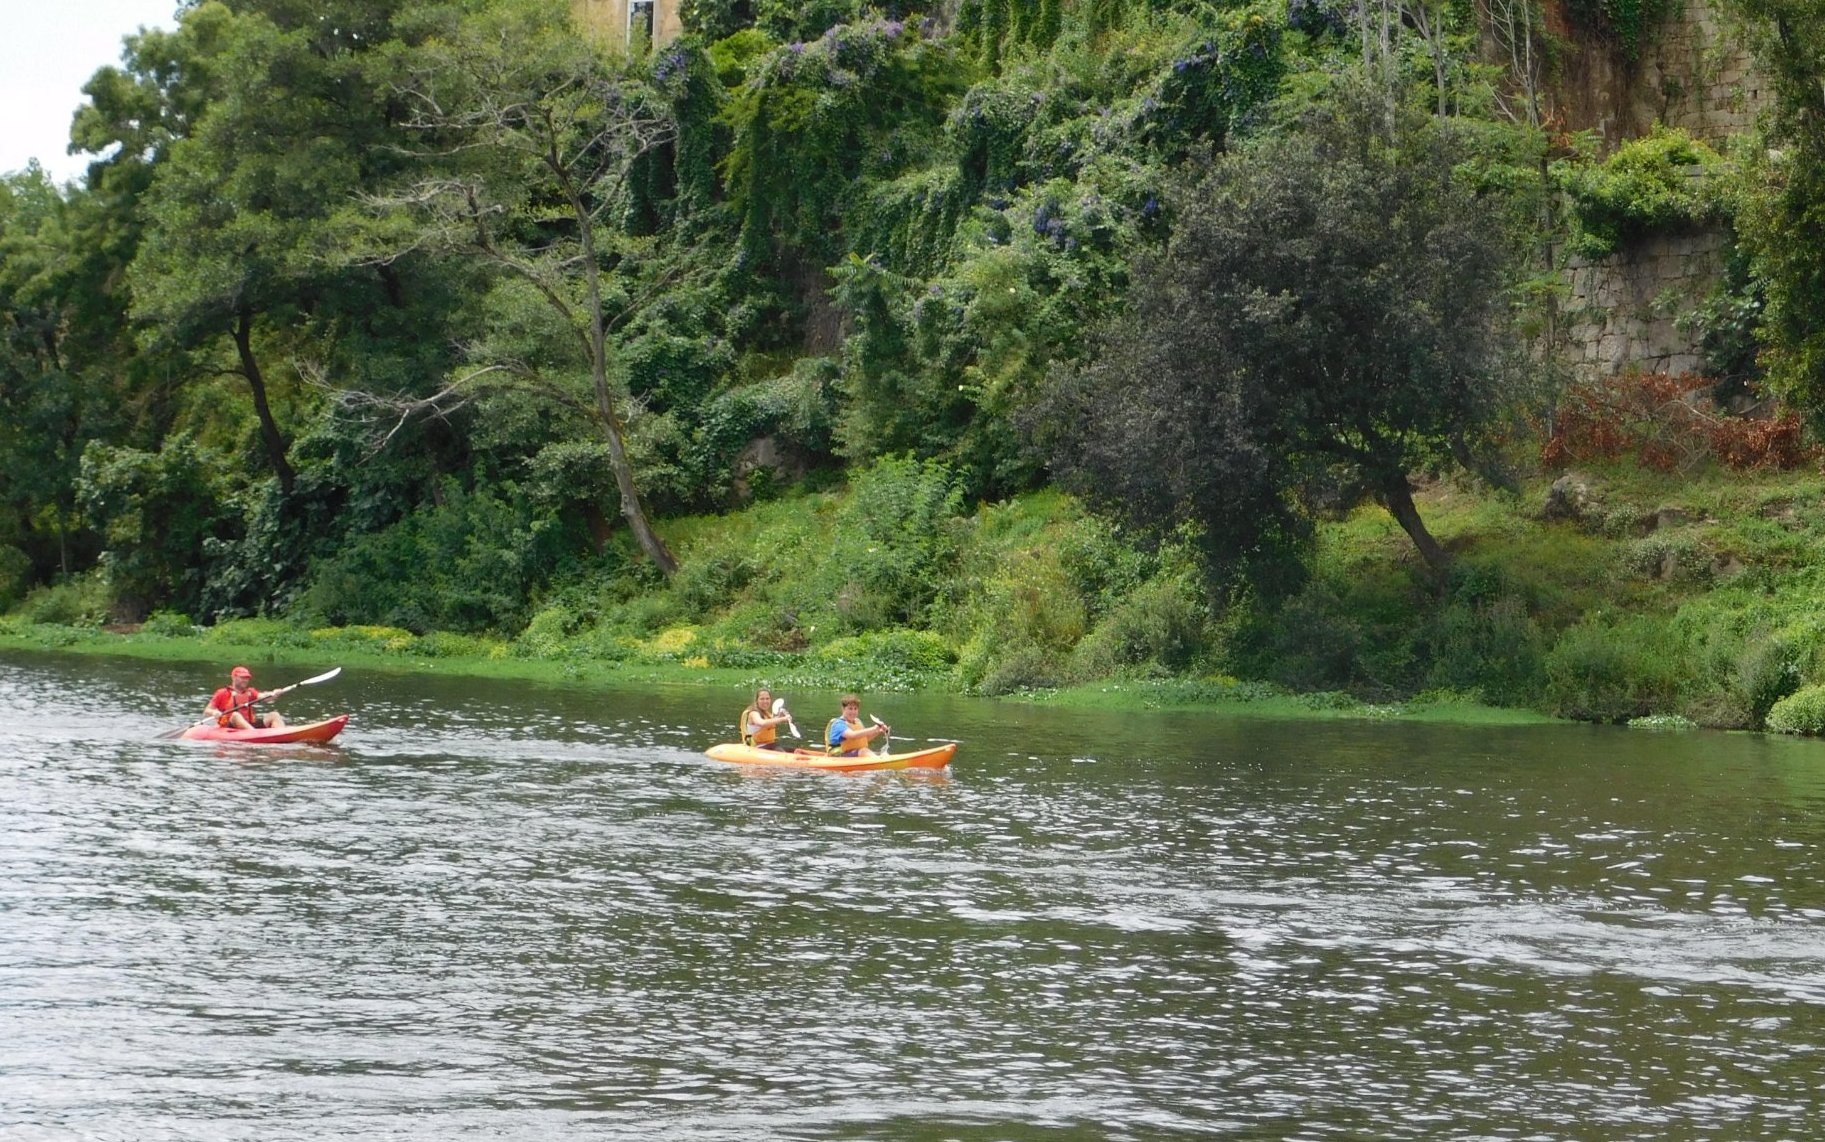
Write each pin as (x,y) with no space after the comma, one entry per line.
(500,910)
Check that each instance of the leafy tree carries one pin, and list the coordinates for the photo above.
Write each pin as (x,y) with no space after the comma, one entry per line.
(282,134)
(156,512)
(530,132)
(66,366)
(1332,300)
(1783,226)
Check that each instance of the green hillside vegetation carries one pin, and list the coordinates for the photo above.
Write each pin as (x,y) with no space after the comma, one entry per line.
(1161,353)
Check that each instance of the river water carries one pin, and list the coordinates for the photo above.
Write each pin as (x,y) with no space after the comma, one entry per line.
(506,910)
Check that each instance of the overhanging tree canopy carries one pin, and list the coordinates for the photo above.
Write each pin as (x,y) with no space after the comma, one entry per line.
(1333,296)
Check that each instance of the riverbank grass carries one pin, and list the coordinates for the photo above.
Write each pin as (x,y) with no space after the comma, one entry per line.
(1696,599)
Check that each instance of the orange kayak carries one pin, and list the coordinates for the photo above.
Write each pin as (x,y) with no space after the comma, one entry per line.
(936,757)
(312,732)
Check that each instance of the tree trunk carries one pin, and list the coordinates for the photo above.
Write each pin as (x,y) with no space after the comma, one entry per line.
(631,508)
(269,428)
(1396,494)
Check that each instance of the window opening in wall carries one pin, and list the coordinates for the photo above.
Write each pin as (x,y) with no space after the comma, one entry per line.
(640,23)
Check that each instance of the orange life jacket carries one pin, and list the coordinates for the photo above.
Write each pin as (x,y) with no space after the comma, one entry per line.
(834,749)
(226,700)
(764,735)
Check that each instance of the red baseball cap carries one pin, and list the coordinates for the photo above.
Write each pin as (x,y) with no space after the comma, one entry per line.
(241,672)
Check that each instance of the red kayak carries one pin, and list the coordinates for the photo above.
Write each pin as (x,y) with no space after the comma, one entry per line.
(313,732)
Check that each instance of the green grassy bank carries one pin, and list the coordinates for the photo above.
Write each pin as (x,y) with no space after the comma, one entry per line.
(1644,597)
(396,650)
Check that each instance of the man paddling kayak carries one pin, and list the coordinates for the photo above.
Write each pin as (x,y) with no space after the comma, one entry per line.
(846,736)
(232,705)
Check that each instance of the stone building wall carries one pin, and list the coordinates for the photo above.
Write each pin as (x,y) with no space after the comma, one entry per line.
(1623,311)
(609,18)
(1696,72)
(1699,75)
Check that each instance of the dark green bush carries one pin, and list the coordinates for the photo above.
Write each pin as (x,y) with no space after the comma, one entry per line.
(1491,648)
(1164,622)
(172,623)
(156,511)
(469,565)
(1026,667)
(896,544)
(15,575)
(1665,179)
(1602,672)
(80,601)
(1772,669)
(1625,23)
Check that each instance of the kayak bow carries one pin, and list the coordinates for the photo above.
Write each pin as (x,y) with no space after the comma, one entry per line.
(936,757)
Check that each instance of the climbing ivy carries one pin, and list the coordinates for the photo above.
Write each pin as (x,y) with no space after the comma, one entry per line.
(1665,179)
(1625,23)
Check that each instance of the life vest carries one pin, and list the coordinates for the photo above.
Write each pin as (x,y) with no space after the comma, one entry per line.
(765,735)
(226,700)
(833,741)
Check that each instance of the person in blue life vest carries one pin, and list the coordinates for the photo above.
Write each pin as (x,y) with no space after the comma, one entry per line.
(846,736)
(760,725)
(232,705)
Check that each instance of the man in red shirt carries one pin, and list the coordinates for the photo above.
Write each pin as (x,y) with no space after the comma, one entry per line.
(233,704)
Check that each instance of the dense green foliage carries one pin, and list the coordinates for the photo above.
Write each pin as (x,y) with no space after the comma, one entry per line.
(1662,181)
(1783,223)
(1628,24)
(1332,308)
(438,327)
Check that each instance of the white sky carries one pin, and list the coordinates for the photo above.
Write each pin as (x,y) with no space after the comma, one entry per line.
(48,50)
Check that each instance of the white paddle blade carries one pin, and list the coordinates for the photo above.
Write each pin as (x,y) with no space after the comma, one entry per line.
(779,707)
(321,677)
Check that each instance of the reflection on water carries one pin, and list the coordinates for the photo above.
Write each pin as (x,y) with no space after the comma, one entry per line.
(498,910)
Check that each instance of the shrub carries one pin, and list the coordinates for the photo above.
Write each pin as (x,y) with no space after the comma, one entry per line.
(15,574)
(894,651)
(170,623)
(156,512)
(1598,672)
(469,565)
(897,543)
(1802,712)
(1492,649)
(1024,668)
(369,639)
(742,657)
(1625,22)
(1163,622)
(443,644)
(548,634)
(257,632)
(79,601)
(1666,422)
(1772,669)
(1665,179)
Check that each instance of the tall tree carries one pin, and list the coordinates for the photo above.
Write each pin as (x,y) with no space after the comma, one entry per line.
(1332,298)
(259,124)
(530,132)
(1783,227)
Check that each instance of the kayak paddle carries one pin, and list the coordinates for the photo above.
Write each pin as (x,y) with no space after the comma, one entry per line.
(886,742)
(263,697)
(779,707)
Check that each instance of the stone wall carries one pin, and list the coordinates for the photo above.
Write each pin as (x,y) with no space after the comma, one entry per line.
(1623,311)
(1696,71)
